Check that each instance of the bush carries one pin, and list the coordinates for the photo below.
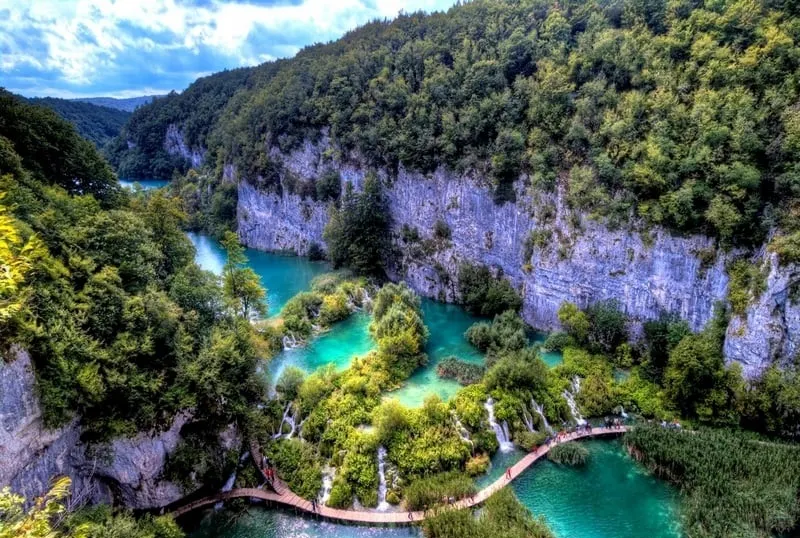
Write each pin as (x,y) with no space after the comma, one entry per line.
(298,465)
(573,454)
(484,294)
(441,230)
(315,252)
(558,341)
(329,186)
(529,440)
(505,333)
(478,465)
(426,493)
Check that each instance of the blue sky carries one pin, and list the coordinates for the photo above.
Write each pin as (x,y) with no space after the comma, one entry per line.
(124,48)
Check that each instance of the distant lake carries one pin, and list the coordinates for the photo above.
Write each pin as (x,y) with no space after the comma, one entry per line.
(146,184)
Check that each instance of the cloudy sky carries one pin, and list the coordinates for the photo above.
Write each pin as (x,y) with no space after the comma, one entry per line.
(124,48)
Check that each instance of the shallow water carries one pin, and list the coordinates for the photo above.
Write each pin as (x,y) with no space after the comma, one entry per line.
(611,497)
(145,184)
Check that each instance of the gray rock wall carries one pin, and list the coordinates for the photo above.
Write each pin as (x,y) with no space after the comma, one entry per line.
(126,470)
(581,261)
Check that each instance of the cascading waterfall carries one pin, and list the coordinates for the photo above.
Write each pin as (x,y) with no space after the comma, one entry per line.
(573,406)
(228,485)
(539,408)
(463,432)
(500,431)
(290,419)
(382,504)
(328,473)
(290,342)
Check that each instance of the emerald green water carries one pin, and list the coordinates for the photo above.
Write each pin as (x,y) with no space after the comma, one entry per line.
(145,184)
(283,276)
(611,497)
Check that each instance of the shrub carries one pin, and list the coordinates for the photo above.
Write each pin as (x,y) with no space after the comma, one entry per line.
(441,230)
(558,341)
(484,294)
(529,440)
(298,465)
(477,465)
(329,186)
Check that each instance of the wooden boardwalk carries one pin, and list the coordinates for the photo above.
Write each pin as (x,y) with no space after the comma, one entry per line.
(286,497)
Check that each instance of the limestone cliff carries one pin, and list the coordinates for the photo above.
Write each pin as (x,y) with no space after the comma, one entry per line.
(549,253)
(127,471)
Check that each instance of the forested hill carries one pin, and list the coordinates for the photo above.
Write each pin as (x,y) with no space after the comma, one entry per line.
(684,113)
(127,104)
(99,124)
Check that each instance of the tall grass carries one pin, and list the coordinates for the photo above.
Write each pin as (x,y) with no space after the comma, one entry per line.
(427,492)
(573,454)
(735,484)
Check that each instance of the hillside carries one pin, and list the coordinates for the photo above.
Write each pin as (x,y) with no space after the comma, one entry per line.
(128,104)
(96,123)
(681,114)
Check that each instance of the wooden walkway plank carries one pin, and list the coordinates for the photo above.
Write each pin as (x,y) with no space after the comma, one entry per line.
(289,498)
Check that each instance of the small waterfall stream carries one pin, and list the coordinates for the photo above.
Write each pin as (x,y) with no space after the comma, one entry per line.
(500,431)
(573,406)
(539,408)
(328,474)
(290,419)
(290,341)
(382,488)
(463,432)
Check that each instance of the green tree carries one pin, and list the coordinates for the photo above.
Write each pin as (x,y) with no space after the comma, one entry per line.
(240,284)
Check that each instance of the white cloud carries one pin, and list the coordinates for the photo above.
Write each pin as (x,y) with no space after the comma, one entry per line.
(83,40)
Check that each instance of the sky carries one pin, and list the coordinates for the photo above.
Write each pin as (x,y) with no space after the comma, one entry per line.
(127,48)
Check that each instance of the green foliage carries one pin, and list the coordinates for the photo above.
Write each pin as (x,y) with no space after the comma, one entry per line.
(240,284)
(98,124)
(398,329)
(211,204)
(425,493)
(478,465)
(745,284)
(329,186)
(661,336)
(357,233)
(517,369)
(484,294)
(502,516)
(602,327)
(358,474)
(464,372)
(103,522)
(736,485)
(289,383)
(505,333)
(38,520)
(298,465)
(787,247)
(678,114)
(529,440)
(772,405)
(575,321)
(572,454)
(124,329)
(53,152)
(557,341)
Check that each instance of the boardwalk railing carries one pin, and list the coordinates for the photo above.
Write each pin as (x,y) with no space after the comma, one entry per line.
(288,498)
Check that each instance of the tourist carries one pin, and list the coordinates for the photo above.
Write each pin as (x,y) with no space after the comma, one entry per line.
(508,473)
(313,505)
(411,516)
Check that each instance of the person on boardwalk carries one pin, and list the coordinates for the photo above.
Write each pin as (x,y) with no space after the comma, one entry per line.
(411,516)
(313,505)
(508,473)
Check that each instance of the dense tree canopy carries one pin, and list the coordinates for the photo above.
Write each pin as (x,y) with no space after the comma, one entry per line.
(98,124)
(679,112)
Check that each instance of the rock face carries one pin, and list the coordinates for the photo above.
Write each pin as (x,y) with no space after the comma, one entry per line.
(175,144)
(550,254)
(127,471)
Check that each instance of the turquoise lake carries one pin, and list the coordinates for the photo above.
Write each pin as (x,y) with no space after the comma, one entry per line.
(611,497)
(145,184)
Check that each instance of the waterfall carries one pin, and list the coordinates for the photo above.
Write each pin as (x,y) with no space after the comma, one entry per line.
(539,408)
(382,504)
(621,412)
(291,420)
(289,341)
(327,484)
(570,397)
(463,432)
(500,431)
(227,486)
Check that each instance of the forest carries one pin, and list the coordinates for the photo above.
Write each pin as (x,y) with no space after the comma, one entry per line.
(98,124)
(678,113)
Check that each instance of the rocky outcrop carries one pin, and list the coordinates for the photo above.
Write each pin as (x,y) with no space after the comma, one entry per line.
(175,144)
(770,330)
(548,252)
(128,471)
